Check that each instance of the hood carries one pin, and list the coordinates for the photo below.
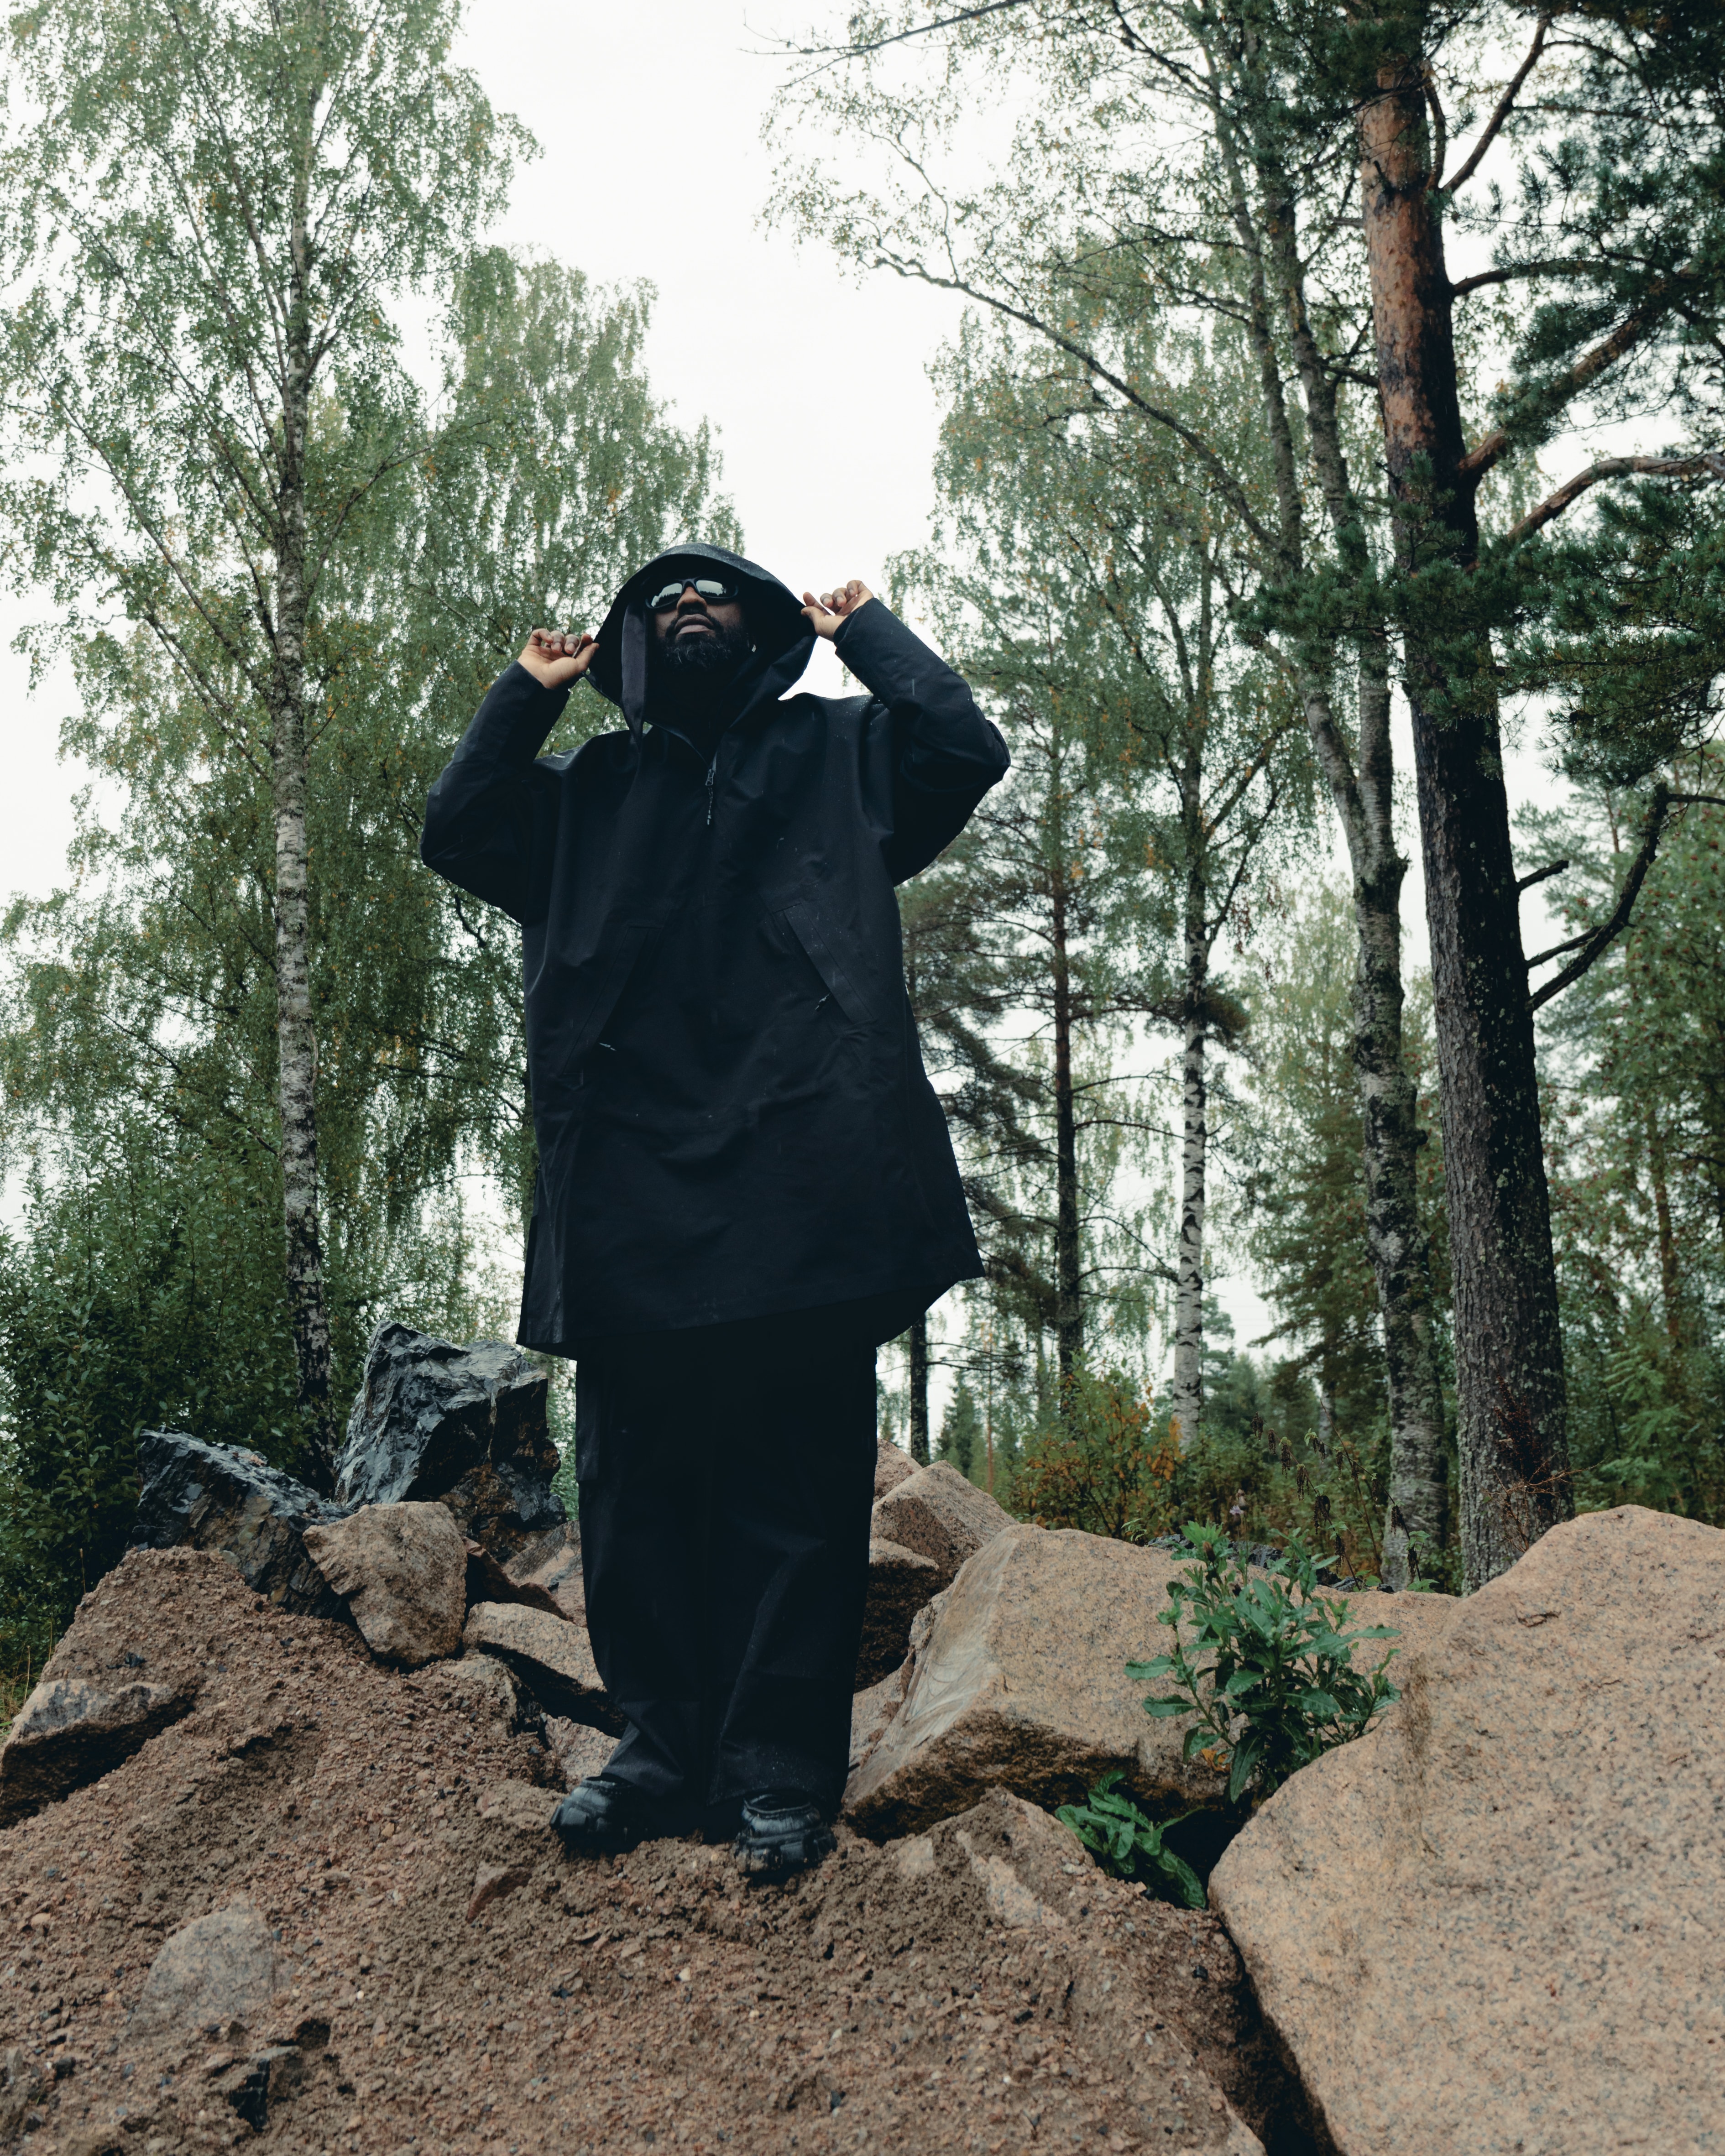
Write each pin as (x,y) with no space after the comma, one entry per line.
(783,640)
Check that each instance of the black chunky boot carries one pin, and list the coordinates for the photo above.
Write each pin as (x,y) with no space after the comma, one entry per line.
(782,1831)
(600,1817)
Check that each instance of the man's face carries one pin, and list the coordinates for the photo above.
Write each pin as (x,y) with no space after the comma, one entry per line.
(695,632)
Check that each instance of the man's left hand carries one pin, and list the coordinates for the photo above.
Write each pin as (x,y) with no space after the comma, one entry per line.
(825,615)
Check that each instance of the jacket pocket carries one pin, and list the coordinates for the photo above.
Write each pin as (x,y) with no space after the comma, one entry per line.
(842,982)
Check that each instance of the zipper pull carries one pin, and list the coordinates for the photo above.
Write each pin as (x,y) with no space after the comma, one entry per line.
(711,771)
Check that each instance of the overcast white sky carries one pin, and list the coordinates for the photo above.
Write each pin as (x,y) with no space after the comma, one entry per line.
(653,168)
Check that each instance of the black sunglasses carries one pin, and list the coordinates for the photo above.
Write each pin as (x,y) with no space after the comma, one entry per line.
(704,588)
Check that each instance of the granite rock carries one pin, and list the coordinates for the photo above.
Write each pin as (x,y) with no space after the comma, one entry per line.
(1031,1881)
(488,1582)
(70,1733)
(891,1466)
(403,1571)
(870,1710)
(578,1748)
(987,1705)
(901,1583)
(550,1657)
(1513,1888)
(551,1565)
(479,1687)
(215,1971)
(941,1516)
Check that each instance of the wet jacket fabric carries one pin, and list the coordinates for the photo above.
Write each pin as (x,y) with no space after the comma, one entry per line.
(732,1116)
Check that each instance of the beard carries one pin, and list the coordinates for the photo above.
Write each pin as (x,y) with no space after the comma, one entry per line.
(698,666)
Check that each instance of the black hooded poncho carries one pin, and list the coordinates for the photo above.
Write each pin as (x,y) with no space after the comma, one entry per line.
(732,1116)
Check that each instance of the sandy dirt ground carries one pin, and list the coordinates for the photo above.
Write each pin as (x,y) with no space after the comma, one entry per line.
(450,1981)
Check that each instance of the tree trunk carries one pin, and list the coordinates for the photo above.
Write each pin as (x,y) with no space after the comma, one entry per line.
(295,1034)
(1364,804)
(919,1391)
(1395,1236)
(1069,1309)
(1188,1400)
(1512,1409)
(1671,1291)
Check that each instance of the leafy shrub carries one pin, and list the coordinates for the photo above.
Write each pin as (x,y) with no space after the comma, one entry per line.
(1102,1466)
(1278,1688)
(1131,1846)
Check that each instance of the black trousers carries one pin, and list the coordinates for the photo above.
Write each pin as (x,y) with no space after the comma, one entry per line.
(726,1477)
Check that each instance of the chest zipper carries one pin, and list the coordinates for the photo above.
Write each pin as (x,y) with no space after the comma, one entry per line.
(711,773)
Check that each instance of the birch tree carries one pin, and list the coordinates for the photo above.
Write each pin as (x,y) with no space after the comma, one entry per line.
(206,210)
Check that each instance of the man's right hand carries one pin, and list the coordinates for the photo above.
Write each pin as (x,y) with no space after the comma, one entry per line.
(554,660)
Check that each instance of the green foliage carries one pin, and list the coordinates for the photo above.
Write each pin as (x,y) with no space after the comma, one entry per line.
(961,1442)
(156,163)
(1100,1464)
(1278,1689)
(1130,1845)
(1306,1194)
(1633,1058)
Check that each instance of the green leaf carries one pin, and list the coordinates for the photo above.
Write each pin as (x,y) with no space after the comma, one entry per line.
(1164,1710)
(1185,1878)
(1245,1759)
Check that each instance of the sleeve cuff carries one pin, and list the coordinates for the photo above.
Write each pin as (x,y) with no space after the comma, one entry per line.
(517,716)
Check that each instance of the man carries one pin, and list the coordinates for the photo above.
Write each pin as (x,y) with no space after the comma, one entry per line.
(744,1180)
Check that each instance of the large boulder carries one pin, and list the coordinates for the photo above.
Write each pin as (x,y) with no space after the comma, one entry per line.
(551,1656)
(403,1570)
(464,1425)
(1126,1987)
(1020,1684)
(901,1583)
(1495,1923)
(891,1466)
(941,1516)
(222,1498)
(70,1732)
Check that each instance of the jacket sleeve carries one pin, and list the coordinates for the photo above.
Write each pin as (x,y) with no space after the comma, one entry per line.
(490,820)
(945,754)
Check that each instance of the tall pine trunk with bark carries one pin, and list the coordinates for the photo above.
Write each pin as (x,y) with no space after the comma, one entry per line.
(919,1391)
(1511,1408)
(1361,786)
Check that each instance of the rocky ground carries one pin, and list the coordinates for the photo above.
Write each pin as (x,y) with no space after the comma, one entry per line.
(275,1861)
(394,1953)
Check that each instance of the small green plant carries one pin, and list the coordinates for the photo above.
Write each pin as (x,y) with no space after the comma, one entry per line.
(1129,1844)
(1269,1676)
